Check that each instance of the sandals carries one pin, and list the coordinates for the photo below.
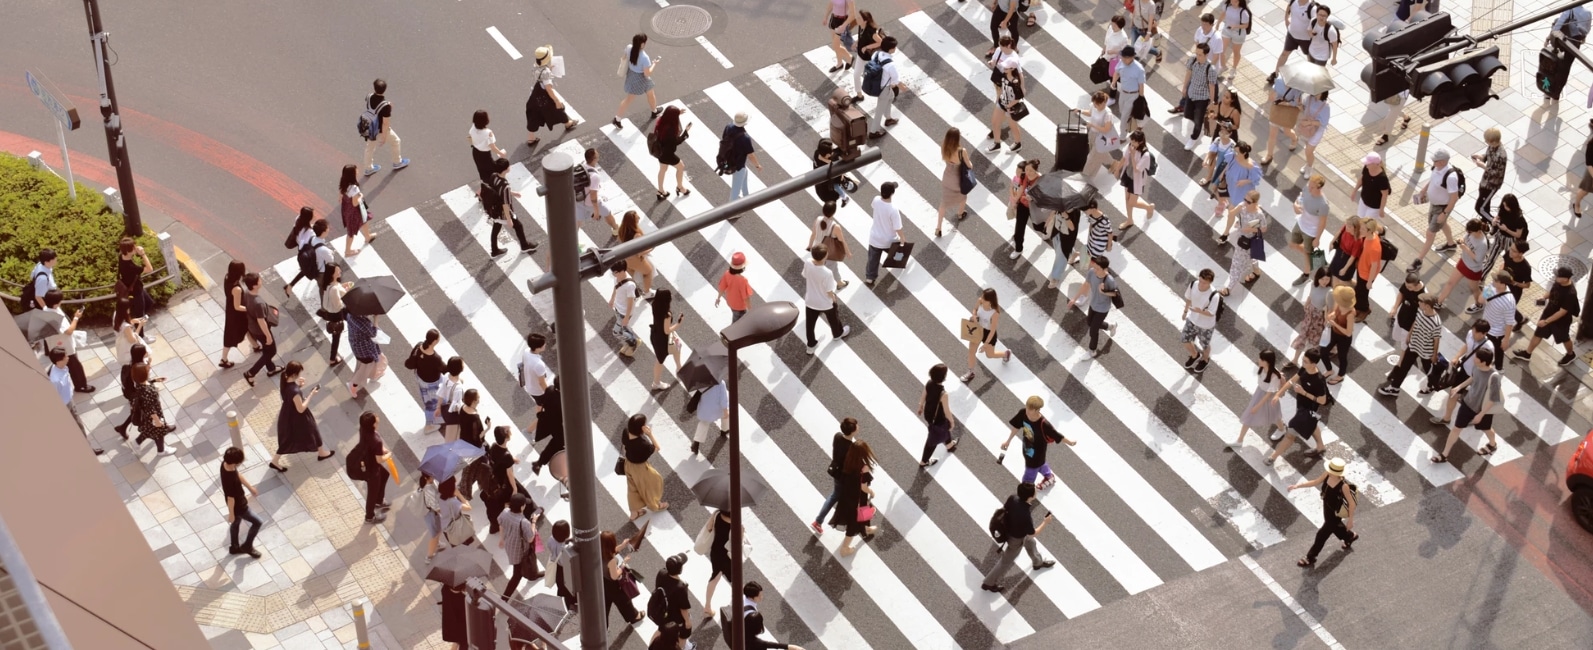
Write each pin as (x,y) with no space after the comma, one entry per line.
(1403,122)
(682,191)
(952,448)
(938,234)
(1440,458)
(248,378)
(1488,449)
(1125,226)
(1336,379)
(1381,140)
(570,125)
(1349,546)
(1203,182)
(225,364)
(532,142)
(928,464)
(1305,563)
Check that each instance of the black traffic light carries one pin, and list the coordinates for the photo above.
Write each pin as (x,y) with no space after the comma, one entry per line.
(1554,67)
(1384,75)
(1458,84)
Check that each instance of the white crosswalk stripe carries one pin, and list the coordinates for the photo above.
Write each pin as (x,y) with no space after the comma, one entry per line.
(1154,494)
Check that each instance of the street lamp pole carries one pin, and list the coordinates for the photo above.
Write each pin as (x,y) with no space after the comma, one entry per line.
(115,140)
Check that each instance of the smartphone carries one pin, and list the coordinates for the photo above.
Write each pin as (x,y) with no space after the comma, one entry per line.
(317,387)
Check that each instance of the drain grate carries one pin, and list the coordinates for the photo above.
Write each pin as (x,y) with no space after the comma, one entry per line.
(1550,264)
(682,21)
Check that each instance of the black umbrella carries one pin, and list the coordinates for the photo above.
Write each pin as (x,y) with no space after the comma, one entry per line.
(705,367)
(38,324)
(1060,192)
(371,296)
(713,489)
(456,564)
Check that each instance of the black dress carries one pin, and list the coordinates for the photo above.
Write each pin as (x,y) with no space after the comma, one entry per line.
(667,143)
(540,109)
(659,340)
(848,498)
(130,273)
(296,432)
(235,324)
(719,554)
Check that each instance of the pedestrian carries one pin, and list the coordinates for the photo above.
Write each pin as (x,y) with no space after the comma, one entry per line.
(233,485)
(532,372)
(544,107)
(1115,40)
(132,264)
(1228,115)
(297,431)
(623,301)
(42,279)
(736,291)
(428,367)
(137,355)
(1263,412)
(739,153)
(1002,25)
(1441,195)
(332,310)
(1240,177)
(1062,232)
(1105,141)
(1215,162)
(1137,171)
(615,570)
(1500,310)
(472,428)
(644,486)
(1235,29)
(819,299)
(377,106)
(1339,498)
(1311,213)
(450,399)
(669,134)
(561,554)
(675,625)
(1323,48)
(591,205)
(826,234)
(451,507)
(126,327)
(1510,227)
(1492,161)
(953,199)
(1346,252)
(1403,314)
(1469,266)
(1102,289)
(1038,434)
(1200,85)
(934,405)
(297,238)
(640,264)
(1018,203)
(431,512)
(550,424)
(1477,396)
(1574,23)
(455,616)
(1554,322)
(518,542)
(1207,34)
(1017,526)
(840,445)
(374,454)
(356,215)
(1298,32)
(1315,306)
(1103,236)
(854,509)
(314,256)
(483,144)
(1283,104)
(235,319)
(61,378)
(1419,345)
(67,340)
(497,199)
(362,335)
(890,87)
(1315,111)
(987,313)
(1368,266)
(1310,393)
(662,336)
(1142,24)
(1129,80)
(712,407)
(754,626)
(1201,303)
(1009,108)
(1252,223)
(147,411)
(887,230)
(1372,188)
(638,67)
(1395,120)
(1341,329)
(839,21)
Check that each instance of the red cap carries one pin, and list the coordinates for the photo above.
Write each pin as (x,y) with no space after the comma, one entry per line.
(738,261)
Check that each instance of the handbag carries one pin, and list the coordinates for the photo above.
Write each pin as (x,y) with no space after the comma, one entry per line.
(459,531)
(1141,109)
(1258,248)
(1100,71)
(619,467)
(627,583)
(705,538)
(965,178)
(1283,115)
(1318,259)
(624,60)
(971,331)
(1244,242)
(1019,110)
(865,513)
(835,247)
(1012,210)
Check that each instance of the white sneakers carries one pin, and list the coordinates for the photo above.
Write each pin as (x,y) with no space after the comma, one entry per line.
(846,330)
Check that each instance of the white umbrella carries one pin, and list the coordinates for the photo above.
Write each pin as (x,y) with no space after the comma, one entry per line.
(1307,77)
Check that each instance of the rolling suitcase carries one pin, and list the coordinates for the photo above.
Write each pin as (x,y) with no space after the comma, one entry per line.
(1072,144)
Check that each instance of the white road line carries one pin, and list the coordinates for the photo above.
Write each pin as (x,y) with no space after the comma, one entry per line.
(703,41)
(1289,601)
(504,42)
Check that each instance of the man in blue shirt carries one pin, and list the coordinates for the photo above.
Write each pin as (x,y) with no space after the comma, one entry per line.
(714,406)
(61,379)
(43,278)
(1574,23)
(1130,82)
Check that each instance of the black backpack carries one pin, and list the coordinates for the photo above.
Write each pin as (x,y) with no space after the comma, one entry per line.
(582,179)
(307,262)
(30,293)
(357,464)
(657,606)
(1390,251)
(998,525)
(1460,180)
(722,159)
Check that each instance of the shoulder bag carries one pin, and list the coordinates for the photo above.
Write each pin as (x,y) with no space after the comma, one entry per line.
(835,247)
(460,531)
(965,176)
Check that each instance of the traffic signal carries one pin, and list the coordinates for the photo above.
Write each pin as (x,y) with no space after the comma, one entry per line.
(1458,84)
(1554,67)
(1384,76)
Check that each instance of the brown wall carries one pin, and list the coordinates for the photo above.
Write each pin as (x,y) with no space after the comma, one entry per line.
(74,529)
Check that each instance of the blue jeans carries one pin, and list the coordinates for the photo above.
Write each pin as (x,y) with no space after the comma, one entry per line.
(428,399)
(871,269)
(825,511)
(1060,264)
(738,184)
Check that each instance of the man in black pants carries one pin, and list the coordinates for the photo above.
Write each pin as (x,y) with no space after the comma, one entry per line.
(232,487)
(1555,321)
(495,199)
(516,542)
(1021,531)
(262,317)
(1421,344)
(1102,288)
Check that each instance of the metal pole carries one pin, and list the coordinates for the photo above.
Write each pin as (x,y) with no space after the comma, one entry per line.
(1421,148)
(738,636)
(66,161)
(232,428)
(115,141)
(1464,41)
(570,334)
(362,631)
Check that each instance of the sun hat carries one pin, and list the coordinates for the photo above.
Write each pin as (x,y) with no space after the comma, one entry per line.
(738,260)
(741,119)
(1336,467)
(542,53)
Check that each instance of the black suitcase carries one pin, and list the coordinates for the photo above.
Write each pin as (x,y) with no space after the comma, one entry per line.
(1072,144)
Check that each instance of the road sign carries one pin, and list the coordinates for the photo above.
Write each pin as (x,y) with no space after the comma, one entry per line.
(54,100)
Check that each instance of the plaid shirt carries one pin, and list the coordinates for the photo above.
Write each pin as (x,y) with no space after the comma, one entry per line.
(1493,167)
(517,534)
(361,338)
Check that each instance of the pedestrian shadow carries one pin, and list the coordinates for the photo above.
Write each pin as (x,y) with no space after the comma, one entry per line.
(1446,521)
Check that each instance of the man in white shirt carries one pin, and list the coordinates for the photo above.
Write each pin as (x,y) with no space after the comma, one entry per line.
(1298,36)
(819,299)
(887,230)
(890,86)
(67,340)
(534,373)
(1200,314)
(623,302)
(1500,312)
(1324,46)
(1443,192)
(590,206)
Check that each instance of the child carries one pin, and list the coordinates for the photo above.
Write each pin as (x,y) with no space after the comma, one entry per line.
(733,285)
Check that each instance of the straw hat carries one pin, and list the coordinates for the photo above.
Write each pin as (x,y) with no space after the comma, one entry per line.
(1336,467)
(543,54)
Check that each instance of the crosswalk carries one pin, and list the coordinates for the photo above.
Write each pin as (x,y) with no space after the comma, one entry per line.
(1152,491)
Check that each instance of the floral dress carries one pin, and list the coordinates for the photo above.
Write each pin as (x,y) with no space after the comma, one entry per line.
(1315,319)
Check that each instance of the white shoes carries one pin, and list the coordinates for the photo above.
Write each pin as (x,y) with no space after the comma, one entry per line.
(1014,255)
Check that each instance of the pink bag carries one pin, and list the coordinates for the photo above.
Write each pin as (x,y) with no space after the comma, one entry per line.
(865,513)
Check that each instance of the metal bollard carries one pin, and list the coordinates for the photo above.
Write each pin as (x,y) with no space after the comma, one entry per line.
(1421,149)
(232,428)
(362,632)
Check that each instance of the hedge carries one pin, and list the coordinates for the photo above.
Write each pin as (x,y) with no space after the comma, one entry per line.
(37,213)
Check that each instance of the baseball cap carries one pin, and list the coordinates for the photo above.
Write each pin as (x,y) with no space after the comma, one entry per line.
(738,260)
(1372,159)
(674,563)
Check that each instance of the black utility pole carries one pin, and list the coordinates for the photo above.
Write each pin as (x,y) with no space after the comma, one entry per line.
(115,141)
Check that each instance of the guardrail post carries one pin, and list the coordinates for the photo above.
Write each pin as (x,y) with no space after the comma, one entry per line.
(168,250)
(232,428)
(1421,148)
(362,632)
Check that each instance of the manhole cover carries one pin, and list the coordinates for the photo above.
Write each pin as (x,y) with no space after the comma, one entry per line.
(1552,263)
(682,21)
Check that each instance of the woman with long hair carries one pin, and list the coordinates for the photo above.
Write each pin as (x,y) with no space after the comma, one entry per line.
(351,203)
(297,431)
(297,238)
(869,37)
(132,264)
(852,494)
(1062,231)
(1316,305)
(147,412)
(1263,411)
(669,134)
(483,144)
(545,107)
(644,486)
(1235,29)
(638,68)
(1346,252)
(235,318)
(838,20)
(370,441)
(1135,178)
(1018,200)
(332,305)
(719,524)
(641,264)
(662,336)
(126,326)
(952,198)
(613,569)
(1341,324)
(934,405)
(987,313)
(137,356)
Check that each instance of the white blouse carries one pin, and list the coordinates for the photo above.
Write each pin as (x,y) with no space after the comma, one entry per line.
(482,139)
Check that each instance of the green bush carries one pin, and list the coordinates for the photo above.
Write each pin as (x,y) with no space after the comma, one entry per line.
(37,213)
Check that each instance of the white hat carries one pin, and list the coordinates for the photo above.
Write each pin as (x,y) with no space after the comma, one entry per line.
(741,119)
(542,54)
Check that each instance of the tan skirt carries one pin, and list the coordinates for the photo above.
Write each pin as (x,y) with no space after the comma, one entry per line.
(644,486)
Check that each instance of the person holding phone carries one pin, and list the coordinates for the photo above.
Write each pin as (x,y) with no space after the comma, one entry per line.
(1018,524)
(297,431)
(662,336)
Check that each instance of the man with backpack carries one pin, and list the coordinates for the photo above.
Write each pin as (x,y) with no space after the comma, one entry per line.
(40,280)
(882,80)
(313,256)
(1201,303)
(495,197)
(1013,525)
(735,151)
(1339,497)
(1297,35)
(671,600)
(1574,23)
(1443,192)
(376,126)
(588,185)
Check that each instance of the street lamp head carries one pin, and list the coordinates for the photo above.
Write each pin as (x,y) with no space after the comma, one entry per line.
(762,324)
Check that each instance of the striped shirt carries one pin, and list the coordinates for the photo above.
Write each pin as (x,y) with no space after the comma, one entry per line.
(516,535)
(1500,313)
(1100,234)
(1424,335)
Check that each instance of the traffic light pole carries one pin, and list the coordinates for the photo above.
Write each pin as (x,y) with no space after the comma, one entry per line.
(115,141)
(1570,48)
(1465,42)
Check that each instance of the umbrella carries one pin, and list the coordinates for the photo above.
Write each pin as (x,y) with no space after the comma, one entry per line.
(441,461)
(1062,193)
(706,367)
(456,564)
(372,296)
(38,324)
(635,541)
(713,489)
(1307,77)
